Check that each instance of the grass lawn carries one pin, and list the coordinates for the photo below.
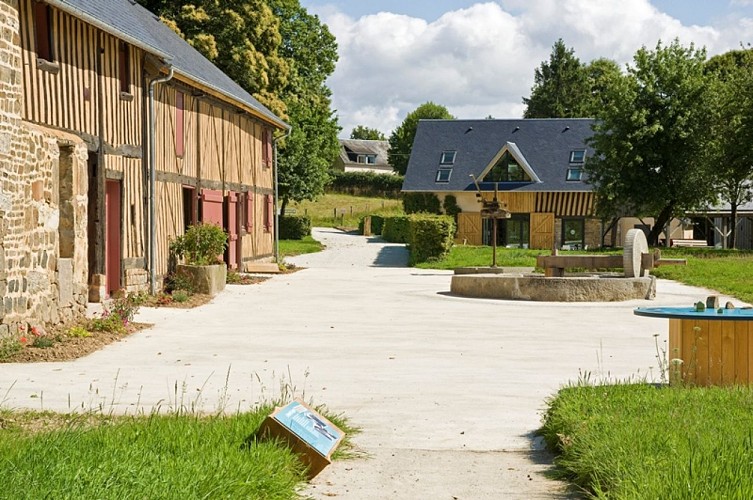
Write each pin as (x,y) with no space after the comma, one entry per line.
(289,248)
(639,441)
(349,209)
(472,256)
(47,455)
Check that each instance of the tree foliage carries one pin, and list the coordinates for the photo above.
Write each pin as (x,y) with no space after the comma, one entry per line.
(652,140)
(731,119)
(401,139)
(366,133)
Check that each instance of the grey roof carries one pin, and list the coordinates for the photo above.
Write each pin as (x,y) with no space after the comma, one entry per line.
(544,143)
(351,148)
(134,24)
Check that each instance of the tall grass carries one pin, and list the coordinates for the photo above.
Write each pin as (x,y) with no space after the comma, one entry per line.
(639,441)
(342,210)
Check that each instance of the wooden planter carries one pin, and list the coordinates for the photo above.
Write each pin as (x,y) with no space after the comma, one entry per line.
(209,280)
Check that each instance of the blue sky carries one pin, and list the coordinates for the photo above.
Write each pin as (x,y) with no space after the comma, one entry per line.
(478,57)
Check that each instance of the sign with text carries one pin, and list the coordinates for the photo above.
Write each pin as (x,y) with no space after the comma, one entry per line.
(307,424)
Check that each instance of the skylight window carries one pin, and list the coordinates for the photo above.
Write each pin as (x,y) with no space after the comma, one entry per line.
(448,158)
(574,174)
(443,175)
(578,156)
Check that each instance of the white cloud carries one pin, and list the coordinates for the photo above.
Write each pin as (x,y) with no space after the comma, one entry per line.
(480,61)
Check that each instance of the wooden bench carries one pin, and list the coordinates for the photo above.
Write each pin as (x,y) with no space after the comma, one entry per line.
(689,243)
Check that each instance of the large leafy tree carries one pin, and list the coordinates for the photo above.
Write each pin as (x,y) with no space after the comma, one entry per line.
(560,88)
(731,119)
(281,55)
(401,139)
(366,133)
(652,140)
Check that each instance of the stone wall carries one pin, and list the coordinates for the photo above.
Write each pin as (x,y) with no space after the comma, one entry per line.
(42,175)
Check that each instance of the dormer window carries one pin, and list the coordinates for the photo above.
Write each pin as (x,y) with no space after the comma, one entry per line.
(368,159)
(448,158)
(443,175)
(578,156)
(507,169)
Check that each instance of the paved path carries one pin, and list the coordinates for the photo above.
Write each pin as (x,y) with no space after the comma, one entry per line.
(448,391)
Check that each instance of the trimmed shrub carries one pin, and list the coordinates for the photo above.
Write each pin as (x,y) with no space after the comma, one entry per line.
(414,203)
(366,184)
(201,245)
(396,229)
(377,222)
(430,237)
(295,227)
(450,206)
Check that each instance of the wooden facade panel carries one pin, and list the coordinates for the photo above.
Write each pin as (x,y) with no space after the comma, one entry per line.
(66,92)
(565,204)
(517,203)
(169,218)
(542,230)
(469,228)
(133,217)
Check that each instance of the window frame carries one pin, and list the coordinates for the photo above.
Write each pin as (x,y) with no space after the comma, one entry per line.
(440,179)
(443,160)
(571,170)
(366,158)
(43,33)
(124,68)
(578,156)
(180,124)
(581,221)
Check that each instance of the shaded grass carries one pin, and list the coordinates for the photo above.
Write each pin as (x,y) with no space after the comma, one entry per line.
(289,248)
(478,256)
(349,209)
(176,456)
(639,441)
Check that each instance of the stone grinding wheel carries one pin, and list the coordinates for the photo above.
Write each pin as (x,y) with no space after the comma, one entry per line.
(635,246)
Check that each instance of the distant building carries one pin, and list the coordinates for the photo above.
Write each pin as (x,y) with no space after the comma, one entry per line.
(359,155)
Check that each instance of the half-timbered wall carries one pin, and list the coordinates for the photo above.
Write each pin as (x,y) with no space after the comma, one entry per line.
(221,162)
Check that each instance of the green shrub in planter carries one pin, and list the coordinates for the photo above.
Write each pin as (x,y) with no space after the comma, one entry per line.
(295,227)
(430,237)
(396,229)
(377,222)
(201,245)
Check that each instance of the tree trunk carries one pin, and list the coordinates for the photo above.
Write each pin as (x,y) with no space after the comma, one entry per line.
(283,205)
(733,229)
(664,216)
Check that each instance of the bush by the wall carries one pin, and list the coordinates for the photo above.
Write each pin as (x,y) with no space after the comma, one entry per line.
(430,236)
(414,203)
(451,207)
(396,229)
(295,227)
(377,222)
(366,184)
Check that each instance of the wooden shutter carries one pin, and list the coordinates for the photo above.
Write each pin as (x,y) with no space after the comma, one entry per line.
(43,30)
(249,212)
(180,146)
(542,231)
(267,152)
(469,228)
(269,213)
(211,206)
(124,67)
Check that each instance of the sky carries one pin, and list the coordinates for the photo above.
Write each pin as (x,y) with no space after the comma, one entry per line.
(478,58)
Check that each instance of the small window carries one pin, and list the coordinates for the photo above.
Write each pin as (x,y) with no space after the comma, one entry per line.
(124,67)
(578,156)
(574,173)
(448,158)
(443,174)
(43,31)
(368,159)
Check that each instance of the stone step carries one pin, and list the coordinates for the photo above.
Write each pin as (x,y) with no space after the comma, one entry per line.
(262,267)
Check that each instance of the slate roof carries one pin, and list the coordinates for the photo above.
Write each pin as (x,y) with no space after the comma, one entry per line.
(134,24)
(545,144)
(351,148)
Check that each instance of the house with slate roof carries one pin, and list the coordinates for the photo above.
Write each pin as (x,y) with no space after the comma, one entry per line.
(361,155)
(535,166)
(115,136)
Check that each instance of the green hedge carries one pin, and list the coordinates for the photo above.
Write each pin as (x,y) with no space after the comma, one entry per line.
(396,229)
(414,203)
(295,227)
(430,237)
(366,184)
(377,222)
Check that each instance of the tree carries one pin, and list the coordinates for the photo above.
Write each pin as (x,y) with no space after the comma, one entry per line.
(560,88)
(731,119)
(401,139)
(652,140)
(366,133)
(600,75)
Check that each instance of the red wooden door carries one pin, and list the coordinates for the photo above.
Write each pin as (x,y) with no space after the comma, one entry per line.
(112,236)
(232,229)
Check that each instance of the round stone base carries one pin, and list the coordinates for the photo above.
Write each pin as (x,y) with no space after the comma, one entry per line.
(591,288)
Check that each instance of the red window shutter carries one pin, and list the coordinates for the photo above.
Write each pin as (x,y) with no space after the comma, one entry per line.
(270,153)
(180,147)
(249,212)
(269,222)
(43,30)
(124,67)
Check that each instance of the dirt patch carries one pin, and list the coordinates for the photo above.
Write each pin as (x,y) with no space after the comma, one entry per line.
(66,348)
(168,300)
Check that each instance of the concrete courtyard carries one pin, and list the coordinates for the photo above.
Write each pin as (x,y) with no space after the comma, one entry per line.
(447,391)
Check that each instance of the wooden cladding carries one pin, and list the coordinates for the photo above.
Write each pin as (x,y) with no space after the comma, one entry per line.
(517,203)
(88,73)
(565,204)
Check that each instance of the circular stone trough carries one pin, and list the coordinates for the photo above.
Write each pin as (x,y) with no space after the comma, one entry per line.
(589,288)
